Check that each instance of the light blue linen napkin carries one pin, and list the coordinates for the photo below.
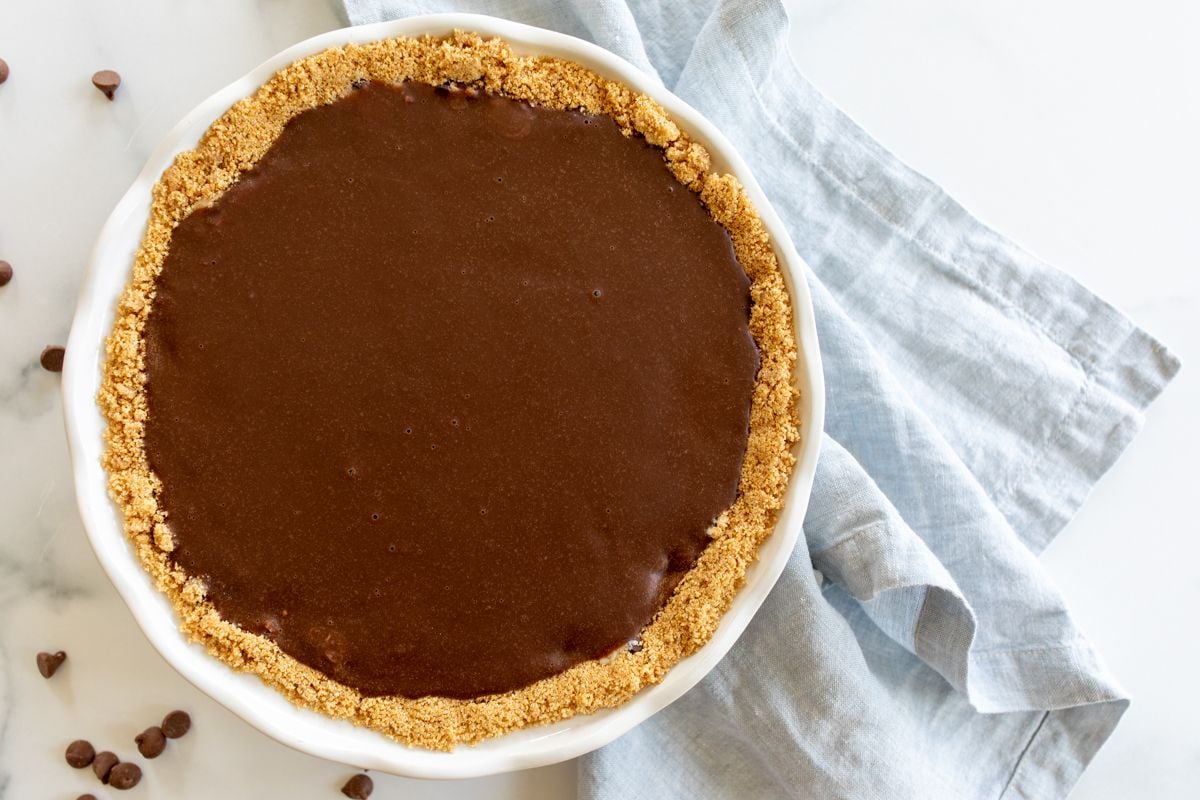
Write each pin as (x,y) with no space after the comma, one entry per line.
(915,647)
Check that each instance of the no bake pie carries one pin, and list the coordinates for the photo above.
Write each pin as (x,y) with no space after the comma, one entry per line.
(452,389)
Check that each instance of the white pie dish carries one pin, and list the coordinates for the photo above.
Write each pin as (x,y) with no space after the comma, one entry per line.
(244,694)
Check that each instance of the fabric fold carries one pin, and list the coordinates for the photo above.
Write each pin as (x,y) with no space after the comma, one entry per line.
(857,539)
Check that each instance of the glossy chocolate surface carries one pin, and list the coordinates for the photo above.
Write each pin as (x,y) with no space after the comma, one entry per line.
(446,391)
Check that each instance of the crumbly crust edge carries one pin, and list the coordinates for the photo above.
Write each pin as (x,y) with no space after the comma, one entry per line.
(232,145)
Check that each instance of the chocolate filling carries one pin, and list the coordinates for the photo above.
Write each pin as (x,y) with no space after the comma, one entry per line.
(445,392)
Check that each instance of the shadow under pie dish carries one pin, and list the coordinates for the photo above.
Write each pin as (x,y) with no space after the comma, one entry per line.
(452,392)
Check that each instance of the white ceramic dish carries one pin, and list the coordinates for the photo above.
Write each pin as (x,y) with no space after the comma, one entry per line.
(245,695)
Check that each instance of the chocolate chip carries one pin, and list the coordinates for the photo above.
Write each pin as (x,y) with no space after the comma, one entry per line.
(5,267)
(125,776)
(86,797)
(103,765)
(3,70)
(52,358)
(106,81)
(359,787)
(151,742)
(635,646)
(80,753)
(48,663)
(176,724)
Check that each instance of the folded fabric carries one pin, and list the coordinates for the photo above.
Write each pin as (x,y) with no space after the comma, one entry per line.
(914,647)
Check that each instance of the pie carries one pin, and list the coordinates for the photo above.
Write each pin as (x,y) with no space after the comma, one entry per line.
(452,389)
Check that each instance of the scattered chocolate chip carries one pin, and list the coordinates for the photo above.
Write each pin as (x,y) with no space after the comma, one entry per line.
(52,361)
(176,724)
(86,797)
(151,742)
(103,765)
(3,70)
(80,753)
(5,268)
(106,81)
(48,663)
(359,787)
(125,776)
(635,646)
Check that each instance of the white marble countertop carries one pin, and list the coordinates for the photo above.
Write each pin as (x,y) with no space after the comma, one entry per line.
(1070,127)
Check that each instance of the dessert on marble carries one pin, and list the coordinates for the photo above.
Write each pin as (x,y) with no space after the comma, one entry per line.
(451,393)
